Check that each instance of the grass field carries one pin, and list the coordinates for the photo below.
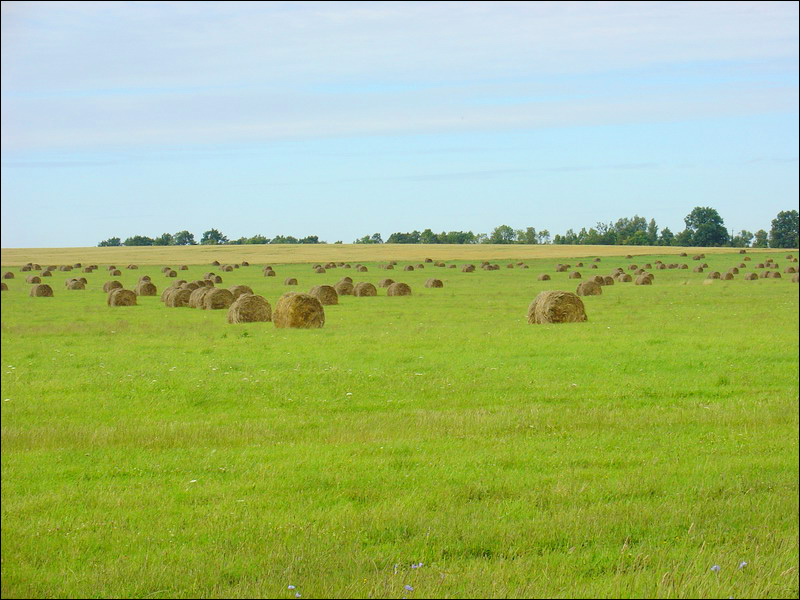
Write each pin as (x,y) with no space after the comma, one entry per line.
(435,441)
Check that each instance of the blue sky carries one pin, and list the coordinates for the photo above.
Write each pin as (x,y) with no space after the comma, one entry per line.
(344,119)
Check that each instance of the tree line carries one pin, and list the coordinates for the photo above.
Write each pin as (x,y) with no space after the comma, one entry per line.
(703,227)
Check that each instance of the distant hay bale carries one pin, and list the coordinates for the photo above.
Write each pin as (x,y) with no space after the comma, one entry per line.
(439,264)
(111,285)
(763,275)
(245,263)
(217,298)
(428,260)
(165,269)
(108,268)
(628,256)
(639,272)
(704,265)
(330,265)
(216,279)
(556,307)
(598,279)
(37,267)
(608,281)
(65,268)
(3,286)
(270,273)
(290,281)
(177,298)
(742,266)
(575,275)
(37,279)
(364,288)
(683,254)
(8,275)
(385,283)
(76,284)
(362,269)
(624,278)
(389,267)
(347,279)
(714,275)
(597,260)
(318,270)
(589,288)
(632,267)
(789,256)
(87,269)
(121,297)
(236,265)
(579,265)
(115,273)
(790,270)
(344,288)
(226,268)
(544,277)
(326,295)
(408,268)
(24,268)
(209,275)
(171,273)
(208,283)
(510,266)
(683,266)
(750,277)
(434,283)
(420,266)
(191,286)
(733,270)
(760,266)
(144,278)
(145,288)
(742,251)
(661,266)
(747,258)
(593,266)
(184,267)
(348,266)
(452,266)
(398,289)
(648,266)
(250,308)
(643,280)
(795,278)
(166,291)
(238,290)
(41,290)
(698,269)
(298,311)
(215,263)
(697,257)
(774,275)
(727,276)
(468,269)
(561,268)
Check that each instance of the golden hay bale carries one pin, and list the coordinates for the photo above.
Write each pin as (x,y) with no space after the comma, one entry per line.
(608,281)
(270,273)
(434,283)
(325,294)
(468,269)
(388,267)
(742,266)
(145,288)
(290,281)
(589,288)
(177,298)
(556,307)
(344,288)
(598,279)
(171,273)
(451,266)
(439,264)
(41,290)
(226,268)
(36,279)
(639,272)
(727,276)
(628,256)
(37,267)
(121,297)
(208,282)
(167,290)
(510,266)
(318,270)
(704,265)
(364,289)
(428,260)
(111,285)
(165,269)
(742,251)
(191,286)
(3,286)
(624,278)
(384,283)
(238,290)
(697,257)
(714,275)
(209,275)
(245,263)
(596,260)
(108,268)
(361,269)
(347,279)
(88,269)
(216,279)
(65,268)
(683,266)
(217,298)
(789,256)
(420,266)
(8,275)
(747,258)
(115,273)
(593,266)
(347,266)
(544,277)
(575,275)
(796,278)
(398,289)
(408,268)
(643,280)
(76,285)
(330,265)
(790,270)
(299,311)
(184,267)
(774,275)
(763,275)
(580,264)
(250,308)
(215,263)
(196,297)
(561,268)
(24,268)
(750,277)
(760,266)
(632,267)
(661,266)
(698,269)
(683,254)
(144,278)
(733,270)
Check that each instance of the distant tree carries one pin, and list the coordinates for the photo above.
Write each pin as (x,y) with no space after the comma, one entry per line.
(338,242)
(112,241)
(258,239)
(544,236)
(652,233)
(528,236)
(238,242)
(138,240)
(706,227)
(640,238)
(363,240)
(213,237)
(502,235)
(165,239)
(404,238)
(428,237)
(281,239)
(784,232)
(376,238)
(309,239)
(184,238)
(682,238)
(761,239)
(742,239)
(666,238)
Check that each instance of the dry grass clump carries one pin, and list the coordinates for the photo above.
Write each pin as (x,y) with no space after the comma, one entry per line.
(575,275)
(41,290)
(111,285)
(8,275)
(589,288)
(145,288)
(238,290)
(344,288)
(556,307)
(299,311)
(364,288)
(468,269)
(644,279)
(385,283)
(434,283)
(326,295)
(250,308)
(121,297)
(217,298)
(290,281)
(37,279)
(177,298)
(544,277)
(398,289)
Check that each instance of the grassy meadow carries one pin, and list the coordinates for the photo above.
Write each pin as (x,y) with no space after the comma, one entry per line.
(429,446)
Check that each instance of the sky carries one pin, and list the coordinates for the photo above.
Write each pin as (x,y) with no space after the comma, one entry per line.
(342,119)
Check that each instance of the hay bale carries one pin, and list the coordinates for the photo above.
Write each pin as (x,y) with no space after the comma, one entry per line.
(269,273)
(348,266)
(468,269)
(790,270)
(76,284)
(65,268)
(544,277)
(330,265)
(191,286)
(197,296)
(589,288)
(41,290)
(346,278)
(451,266)
(795,278)
(727,276)
(608,281)
(364,289)
(742,266)
(624,278)
(733,270)
(579,265)
(37,279)
(575,275)
(714,275)
(8,275)
(145,288)
(167,290)
(215,263)
(3,286)
(144,278)
(750,277)
(683,266)
(439,264)
(774,275)
(238,290)
(290,281)
(362,269)
(112,285)
(115,273)
(385,283)
(596,260)
(697,257)
(434,283)
(698,269)
(184,268)
(217,298)
(643,280)
(420,266)
(245,263)
(24,268)
(742,251)
(592,266)
(318,270)
(209,275)
(344,288)
(561,268)
(628,256)
(298,311)
(88,269)
(216,279)
(510,266)
(408,268)
(683,254)
(763,275)
(121,297)
(598,279)
(556,307)
(398,289)
(165,269)
(177,298)
(704,265)
(250,308)
(171,273)
(326,295)
(747,258)
(208,283)
(760,266)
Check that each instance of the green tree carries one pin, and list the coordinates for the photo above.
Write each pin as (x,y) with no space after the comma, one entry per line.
(683,238)
(502,235)
(376,238)
(112,241)
(138,240)
(544,236)
(258,239)
(213,237)
(652,233)
(666,238)
(742,239)
(640,238)
(428,237)
(165,239)
(184,238)
(761,239)
(784,232)
(706,227)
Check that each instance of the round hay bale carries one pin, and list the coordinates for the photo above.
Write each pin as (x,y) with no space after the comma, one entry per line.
(88,269)
(362,269)
(795,278)
(742,266)
(191,286)
(561,268)
(389,267)
(76,285)
(299,311)
(428,260)
(385,283)
(364,289)
(625,278)
(145,288)
(226,268)
(25,268)
(215,263)
(171,273)
(209,275)
(704,265)
(628,256)
(698,269)
(121,297)
(579,265)
(115,273)
(326,295)
(3,286)
(575,275)
(398,289)
(344,288)
(790,270)
(330,265)
(65,268)
(510,266)
(238,290)
(760,266)
(747,258)
(245,263)
(544,277)
(217,298)
(763,275)
(408,268)
(269,273)
(593,266)
(33,279)
(589,288)
(167,290)
(290,281)
(196,297)
(714,275)
(597,279)
(639,272)
(596,260)
(648,266)
(184,267)
(434,283)
(111,285)
(742,251)
(643,280)
(318,270)
(683,254)
(216,279)
(683,266)
(108,268)
(727,276)
(8,275)
(697,257)
(68,281)
(165,269)
(468,269)
(41,290)
(346,278)
(774,275)
(556,307)
(608,281)
(37,267)
(420,266)
(789,256)
(178,298)
(439,264)
(733,270)
(451,266)
(750,277)
(348,266)
(208,283)
(144,278)
(250,308)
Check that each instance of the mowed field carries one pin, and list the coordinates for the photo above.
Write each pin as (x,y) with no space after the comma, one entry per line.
(435,445)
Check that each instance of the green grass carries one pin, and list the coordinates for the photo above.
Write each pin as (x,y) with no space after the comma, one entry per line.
(155,452)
